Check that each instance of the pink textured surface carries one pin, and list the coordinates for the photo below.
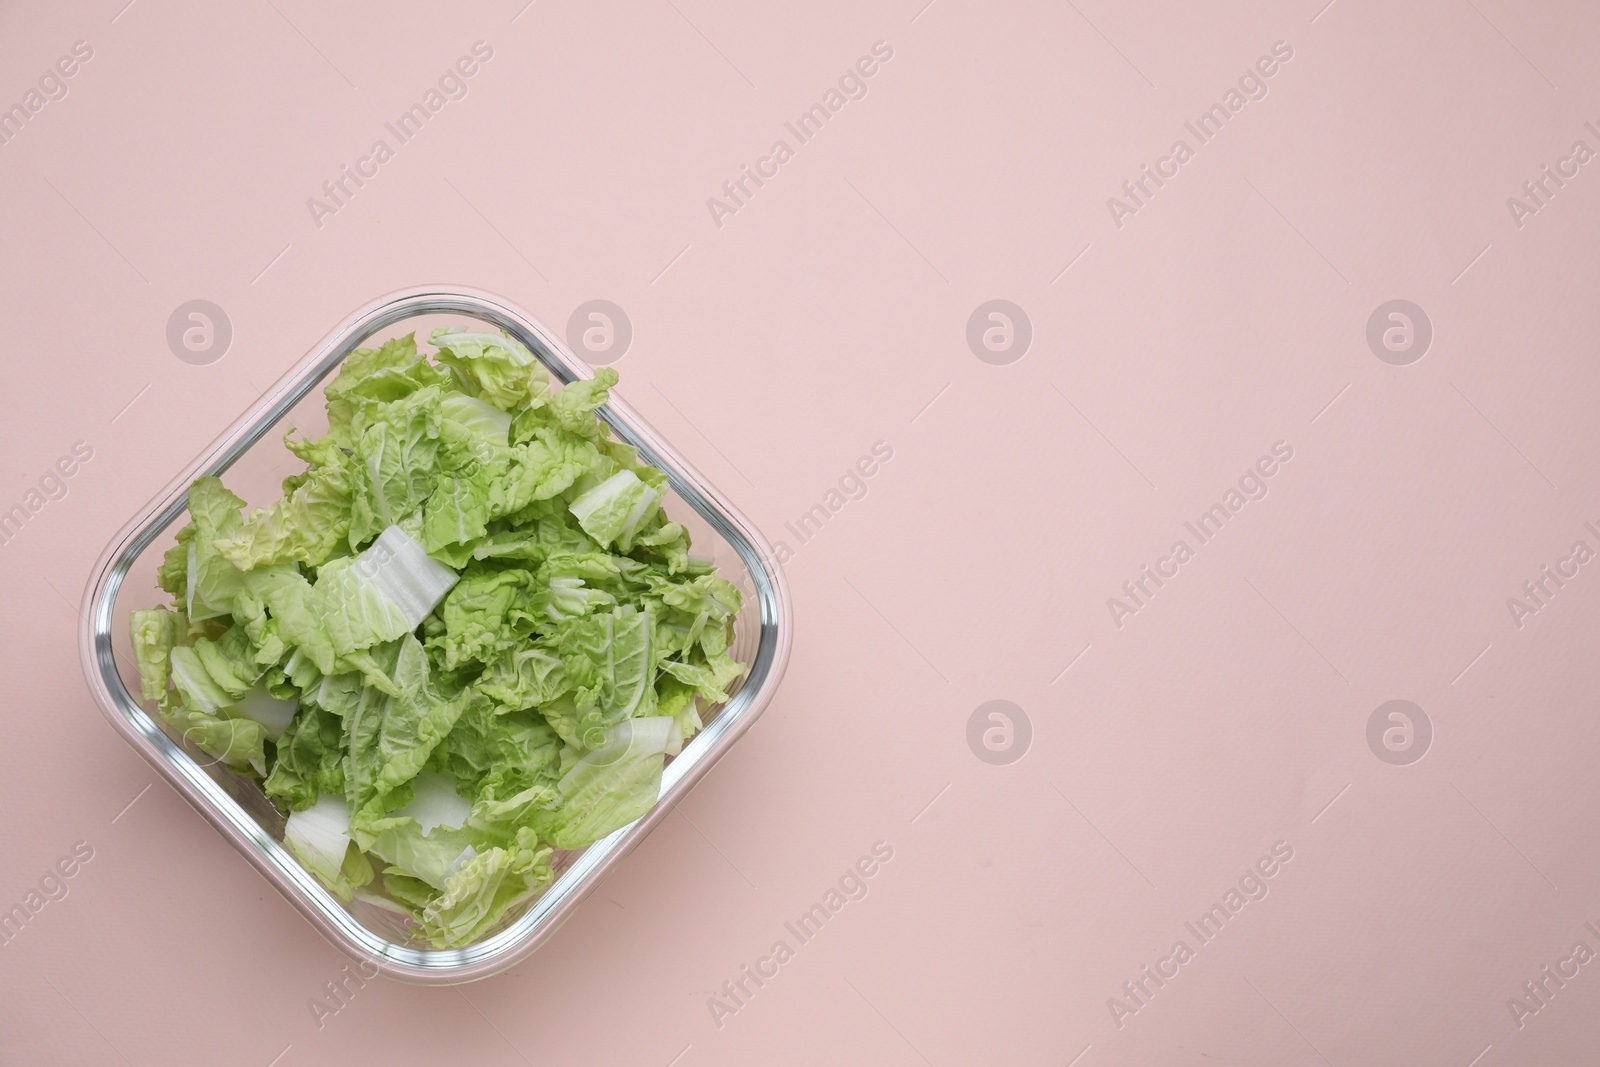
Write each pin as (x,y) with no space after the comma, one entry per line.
(1168,754)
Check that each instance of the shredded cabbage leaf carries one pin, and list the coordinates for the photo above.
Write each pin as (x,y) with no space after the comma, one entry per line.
(465,638)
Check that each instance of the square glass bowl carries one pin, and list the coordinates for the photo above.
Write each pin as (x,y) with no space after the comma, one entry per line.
(370,929)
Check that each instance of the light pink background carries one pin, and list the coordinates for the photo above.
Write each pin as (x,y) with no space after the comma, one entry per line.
(1228,314)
